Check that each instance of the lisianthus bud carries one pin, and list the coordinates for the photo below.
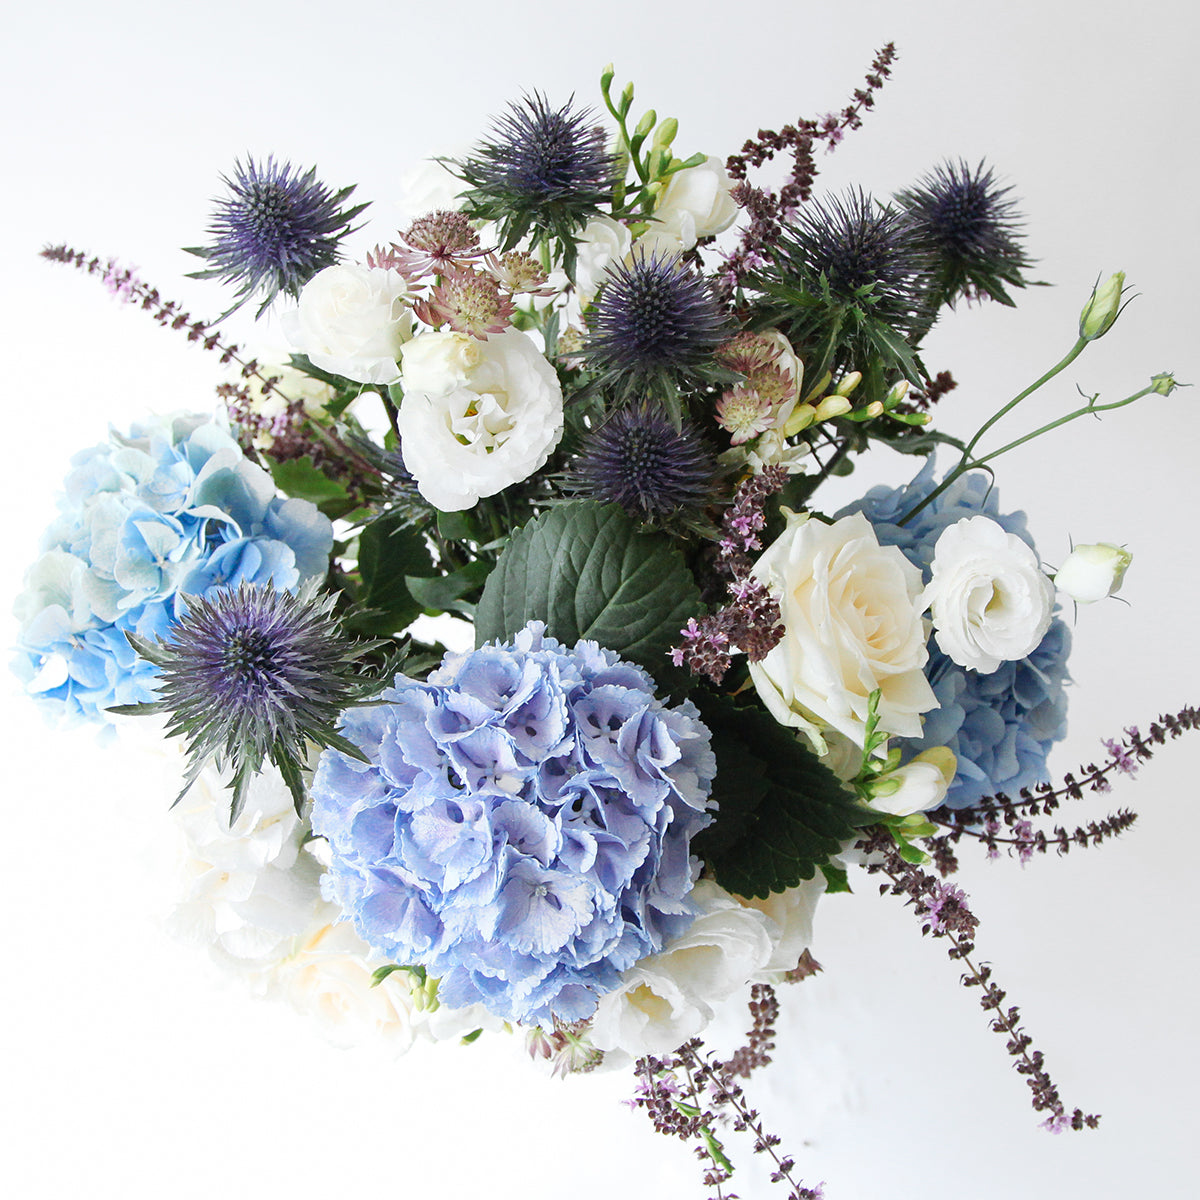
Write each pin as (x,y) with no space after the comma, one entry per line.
(1102,309)
(1093,572)
(1164,383)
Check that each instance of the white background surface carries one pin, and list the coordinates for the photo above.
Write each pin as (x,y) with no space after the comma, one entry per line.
(132,1069)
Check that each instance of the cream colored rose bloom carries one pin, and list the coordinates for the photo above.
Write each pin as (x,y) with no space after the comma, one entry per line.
(852,625)
(352,320)
(477,414)
(989,599)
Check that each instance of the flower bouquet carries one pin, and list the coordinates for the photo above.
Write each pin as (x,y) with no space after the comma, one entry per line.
(526,681)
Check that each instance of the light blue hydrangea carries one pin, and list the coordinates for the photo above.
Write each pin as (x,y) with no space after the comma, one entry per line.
(522,828)
(1000,726)
(174,509)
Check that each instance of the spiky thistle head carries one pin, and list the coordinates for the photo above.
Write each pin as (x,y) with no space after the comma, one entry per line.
(656,322)
(639,460)
(254,673)
(274,230)
(972,227)
(545,169)
(867,253)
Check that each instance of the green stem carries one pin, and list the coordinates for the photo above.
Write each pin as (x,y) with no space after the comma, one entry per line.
(967,462)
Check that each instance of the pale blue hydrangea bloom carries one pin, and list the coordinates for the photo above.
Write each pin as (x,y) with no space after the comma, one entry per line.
(522,828)
(172,510)
(1000,726)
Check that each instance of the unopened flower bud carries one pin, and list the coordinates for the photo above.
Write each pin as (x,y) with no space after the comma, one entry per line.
(1164,383)
(919,786)
(803,415)
(896,394)
(1102,309)
(847,384)
(833,406)
(664,135)
(1093,572)
(874,409)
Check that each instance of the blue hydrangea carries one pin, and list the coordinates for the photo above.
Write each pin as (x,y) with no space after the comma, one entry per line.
(174,509)
(522,827)
(1000,726)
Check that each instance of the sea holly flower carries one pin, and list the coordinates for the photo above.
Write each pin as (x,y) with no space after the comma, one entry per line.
(521,824)
(255,674)
(971,225)
(275,230)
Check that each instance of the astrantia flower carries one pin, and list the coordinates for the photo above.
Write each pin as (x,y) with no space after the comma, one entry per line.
(173,509)
(970,223)
(254,674)
(639,460)
(545,169)
(275,230)
(655,321)
(522,826)
(1000,727)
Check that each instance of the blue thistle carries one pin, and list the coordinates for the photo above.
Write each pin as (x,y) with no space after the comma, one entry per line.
(255,673)
(274,231)
(655,322)
(545,169)
(639,460)
(971,226)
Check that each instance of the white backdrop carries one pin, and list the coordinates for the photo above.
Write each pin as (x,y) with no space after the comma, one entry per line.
(133,1069)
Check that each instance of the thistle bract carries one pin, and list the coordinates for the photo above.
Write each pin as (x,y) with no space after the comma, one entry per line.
(274,231)
(522,826)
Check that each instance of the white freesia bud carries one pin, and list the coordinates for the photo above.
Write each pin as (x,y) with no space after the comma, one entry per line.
(1092,572)
(918,786)
(352,320)
(988,597)
(1102,309)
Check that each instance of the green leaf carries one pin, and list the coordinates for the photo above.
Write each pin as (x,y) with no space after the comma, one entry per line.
(444,592)
(587,571)
(468,1038)
(381,973)
(298,478)
(836,879)
(781,812)
(388,553)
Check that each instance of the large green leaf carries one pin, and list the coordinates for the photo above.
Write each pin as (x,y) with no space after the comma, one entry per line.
(781,812)
(388,551)
(300,479)
(588,572)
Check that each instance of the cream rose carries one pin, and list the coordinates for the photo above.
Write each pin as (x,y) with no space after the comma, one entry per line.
(352,320)
(477,415)
(852,625)
(988,596)
(696,203)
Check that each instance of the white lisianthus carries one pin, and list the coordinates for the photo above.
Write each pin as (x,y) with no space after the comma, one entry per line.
(249,890)
(1092,572)
(352,321)
(696,203)
(918,786)
(477,414)
(852,625)
(602,243)
(988,596)
(668,997)
(790,915)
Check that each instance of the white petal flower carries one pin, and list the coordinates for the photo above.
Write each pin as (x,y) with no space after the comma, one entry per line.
(988,596)
(477,414)
(696,203)
(852,625)
(352,320)
(1093,572)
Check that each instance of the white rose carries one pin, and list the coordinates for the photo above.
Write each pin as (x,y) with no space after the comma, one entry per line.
(602,243)
(352,321)
(918,786)
(477,414)
(696,203)
(989,599)
(852,625)
(1093,572)
(668,997)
